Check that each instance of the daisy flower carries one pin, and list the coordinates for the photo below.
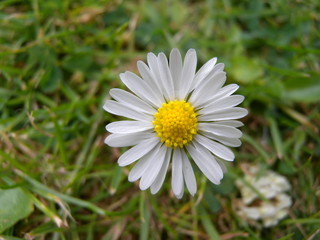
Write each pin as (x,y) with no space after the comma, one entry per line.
(177,115)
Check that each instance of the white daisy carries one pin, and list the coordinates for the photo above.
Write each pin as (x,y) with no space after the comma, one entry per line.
(177,115)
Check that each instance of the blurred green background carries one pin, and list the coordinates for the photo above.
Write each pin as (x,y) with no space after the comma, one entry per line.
(58,60)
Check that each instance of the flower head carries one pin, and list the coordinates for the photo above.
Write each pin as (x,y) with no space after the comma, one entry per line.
(177,115)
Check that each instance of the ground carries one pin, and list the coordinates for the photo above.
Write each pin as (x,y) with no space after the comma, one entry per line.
(58,60)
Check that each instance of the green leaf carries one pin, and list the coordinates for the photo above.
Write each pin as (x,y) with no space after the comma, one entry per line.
(144,217)
(4,237)
(287,167)
(302,221)
(208,223)
(226,186)
(50,80)
(288,236)
(303,89)
(213,203)
(246,70)
(276,137)
(15,205)
(77,61)
(116,179)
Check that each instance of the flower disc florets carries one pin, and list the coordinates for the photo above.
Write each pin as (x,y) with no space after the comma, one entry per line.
(175,123)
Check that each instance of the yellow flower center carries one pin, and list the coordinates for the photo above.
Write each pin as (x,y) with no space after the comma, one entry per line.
(175,123)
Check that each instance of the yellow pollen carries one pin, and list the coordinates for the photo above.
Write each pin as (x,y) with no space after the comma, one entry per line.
(175,123)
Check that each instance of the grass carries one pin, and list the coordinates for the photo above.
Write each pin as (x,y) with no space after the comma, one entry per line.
(58,59)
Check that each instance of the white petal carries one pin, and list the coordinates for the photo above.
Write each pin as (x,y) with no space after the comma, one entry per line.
(138,151)
(156,185)
(125,140)
(188,174)
(209,87)
(147,75)
(204,71)
(206,162)
(228,89)
(231,142)
(216,69)
(216,148)
(188,72)
(219,67)
(140,88)
(131,100)
(128,126)
(180,195)
(222,93)
(221,130)
(154,67)
(225,114)
(142,165)
(222,165)
(220,104)
(165,75)
(152,172)
(175,64)
(231,123)
(177,175)
(121,109)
